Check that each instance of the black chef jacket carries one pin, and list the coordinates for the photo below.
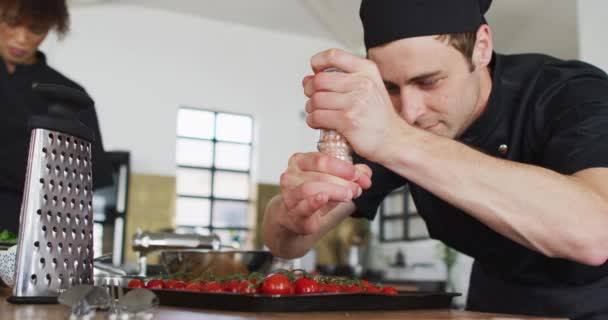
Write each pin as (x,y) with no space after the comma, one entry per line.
(542,111)
(17,104)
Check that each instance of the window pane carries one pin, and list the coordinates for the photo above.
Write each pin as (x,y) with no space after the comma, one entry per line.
(411,206)
(235,128)
(193,182)
(194,153)
(232,156)
(99,205)
(393,205)
(195,123)
(393,229)
(192,212)
(231,185)
(230,214)
(98,240)
(236,238)
(417,228)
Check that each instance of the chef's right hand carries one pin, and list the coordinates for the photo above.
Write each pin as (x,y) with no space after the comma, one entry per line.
(314,184)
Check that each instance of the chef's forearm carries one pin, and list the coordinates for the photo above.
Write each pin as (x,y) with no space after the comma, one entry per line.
(284,243)
(554,214)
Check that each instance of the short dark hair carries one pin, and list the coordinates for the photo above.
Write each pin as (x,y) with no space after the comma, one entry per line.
(41,14)
(463,42)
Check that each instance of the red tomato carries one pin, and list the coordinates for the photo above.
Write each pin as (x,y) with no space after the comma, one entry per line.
(175,284)
(231,286)
(365,283)
(373,289)
(170,282)
(195,285)
(277,284)
(212,286)
(389,290)
(192,287)
(352,288)
(136,283)
(329,287)
(247,287)
(306,286)
(155,284)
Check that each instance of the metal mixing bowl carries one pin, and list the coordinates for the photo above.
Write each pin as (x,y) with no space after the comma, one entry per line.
(195,263)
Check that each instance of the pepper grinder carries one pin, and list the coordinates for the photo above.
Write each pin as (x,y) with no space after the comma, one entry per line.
(333,143)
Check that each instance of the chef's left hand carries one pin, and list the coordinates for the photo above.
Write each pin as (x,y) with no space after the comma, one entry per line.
(354,102)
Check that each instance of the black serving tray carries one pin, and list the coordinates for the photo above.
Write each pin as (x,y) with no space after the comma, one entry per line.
(405,300)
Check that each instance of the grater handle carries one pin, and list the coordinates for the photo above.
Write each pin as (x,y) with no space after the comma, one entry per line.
(333,143)
(64,105)
(64,102)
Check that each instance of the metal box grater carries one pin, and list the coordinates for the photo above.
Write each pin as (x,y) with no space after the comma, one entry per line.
(55,247)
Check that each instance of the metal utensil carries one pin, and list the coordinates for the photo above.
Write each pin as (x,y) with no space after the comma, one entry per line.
(55,249)
(109,293)
(55,243)
(96,297)
(138,300)
(103,266)
(145,243)
(195,263)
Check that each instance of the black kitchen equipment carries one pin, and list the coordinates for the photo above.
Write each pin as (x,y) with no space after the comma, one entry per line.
(404,300)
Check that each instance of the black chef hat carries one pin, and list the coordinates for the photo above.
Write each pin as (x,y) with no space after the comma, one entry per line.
(389,20)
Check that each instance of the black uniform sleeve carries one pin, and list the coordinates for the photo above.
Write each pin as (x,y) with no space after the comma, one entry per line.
(102,168)
(578,132)
(384,182)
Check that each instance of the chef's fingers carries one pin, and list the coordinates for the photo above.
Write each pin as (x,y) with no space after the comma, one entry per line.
(307,207)
(323,191)
(332,82)
(320,162)
(291,179)
(364,176)
(343,61)
(337,120)
(328,101)
(306,79)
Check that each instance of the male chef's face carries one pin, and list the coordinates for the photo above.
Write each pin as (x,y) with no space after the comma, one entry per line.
(19,42)
(432,85)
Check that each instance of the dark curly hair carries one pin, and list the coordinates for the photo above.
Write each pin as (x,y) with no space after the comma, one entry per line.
(36,14)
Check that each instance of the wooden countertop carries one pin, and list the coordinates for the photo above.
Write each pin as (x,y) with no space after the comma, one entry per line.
(10,311)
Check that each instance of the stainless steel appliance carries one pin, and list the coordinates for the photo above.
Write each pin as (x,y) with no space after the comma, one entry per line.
(110,209)
(193,264)
(55,247)
(145,243)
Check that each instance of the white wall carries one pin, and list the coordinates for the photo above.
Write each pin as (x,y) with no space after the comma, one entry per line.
(286,15)
(540,26)
(141,64)
(593,40)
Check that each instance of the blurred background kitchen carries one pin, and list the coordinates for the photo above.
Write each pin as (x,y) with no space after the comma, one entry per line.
(200,105)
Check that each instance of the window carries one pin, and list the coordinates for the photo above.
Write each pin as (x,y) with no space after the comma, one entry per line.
(399,220)
(213,155)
